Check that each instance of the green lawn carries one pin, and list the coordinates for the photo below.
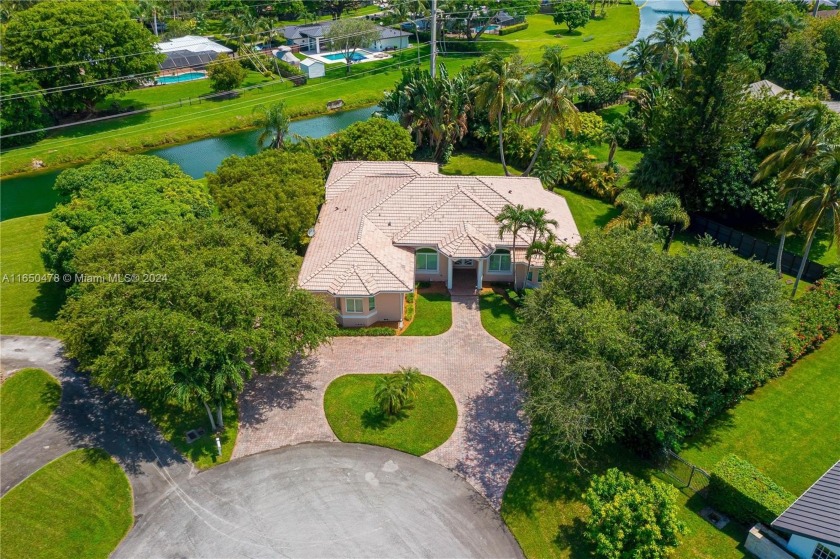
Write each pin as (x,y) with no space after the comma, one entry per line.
(498,316)
(27,400)
(355,418)
(173,423)
(590,213)
(787,428)
(616,30)
(79,506)
(542,507)
(29,308)
(84,142)
(822,249)
(432,314)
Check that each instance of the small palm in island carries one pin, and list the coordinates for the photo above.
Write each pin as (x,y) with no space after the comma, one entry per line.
(404,410)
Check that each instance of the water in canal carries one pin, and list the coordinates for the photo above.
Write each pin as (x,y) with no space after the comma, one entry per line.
(34,194)
(651,11)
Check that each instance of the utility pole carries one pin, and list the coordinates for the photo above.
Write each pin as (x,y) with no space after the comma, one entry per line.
(432,59)
(154,17)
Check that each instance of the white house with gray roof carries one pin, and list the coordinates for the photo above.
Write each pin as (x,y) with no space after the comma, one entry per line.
(311,37)
(386,225)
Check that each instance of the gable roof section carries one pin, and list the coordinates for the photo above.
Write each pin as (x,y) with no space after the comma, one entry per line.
(346,174)
(816,513)
(465,241)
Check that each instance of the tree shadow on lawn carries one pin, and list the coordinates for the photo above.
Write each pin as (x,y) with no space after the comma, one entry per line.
(48,302)
(375,419)
(51,395)
(713,433)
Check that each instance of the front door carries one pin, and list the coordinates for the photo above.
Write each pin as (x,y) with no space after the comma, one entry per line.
(463,263)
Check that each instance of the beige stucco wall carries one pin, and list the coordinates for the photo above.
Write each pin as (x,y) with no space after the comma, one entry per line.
(443,263)
(490,277)
(388,308)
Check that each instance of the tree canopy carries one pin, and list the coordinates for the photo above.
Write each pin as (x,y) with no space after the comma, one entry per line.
(22,109)
(226,74)
(277,191)
(574,14)
(376,139)
(115,168)
(63,43)
(350,34)
(626,342)
(213,301)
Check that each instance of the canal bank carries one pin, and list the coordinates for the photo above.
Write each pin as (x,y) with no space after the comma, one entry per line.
(33,193)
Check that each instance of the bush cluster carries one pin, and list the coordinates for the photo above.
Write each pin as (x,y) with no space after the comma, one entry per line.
(739,489)
(513,28)
(815,317)
(362,332)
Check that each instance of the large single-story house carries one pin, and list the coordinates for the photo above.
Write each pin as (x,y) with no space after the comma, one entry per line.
(813,520)
(189,51)
(311,37)
(386,225)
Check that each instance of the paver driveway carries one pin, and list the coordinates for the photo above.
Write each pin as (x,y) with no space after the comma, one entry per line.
(489,435)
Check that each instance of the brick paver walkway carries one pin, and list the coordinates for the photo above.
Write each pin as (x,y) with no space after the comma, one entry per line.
(490,433)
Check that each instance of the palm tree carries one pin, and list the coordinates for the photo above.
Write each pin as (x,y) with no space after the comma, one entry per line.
(639,57)
(816,201)
(669,42)
(389,394)
(512,219)
(806,133)
(411,380)
(663,210)
(275,122)
(614,133)
(549,248)
(554,90)
(496,89)
(537,221)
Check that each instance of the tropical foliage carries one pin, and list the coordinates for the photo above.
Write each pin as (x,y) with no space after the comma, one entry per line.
(395,391)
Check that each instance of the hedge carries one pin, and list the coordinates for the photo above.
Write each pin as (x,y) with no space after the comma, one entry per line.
(739,489)
(513,28)
(360,332)
(815,317)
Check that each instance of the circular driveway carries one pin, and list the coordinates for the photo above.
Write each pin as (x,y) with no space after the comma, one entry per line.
(322,500)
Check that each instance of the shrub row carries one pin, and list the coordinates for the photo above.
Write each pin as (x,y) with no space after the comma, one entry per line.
(739,489)
(815,317)
(370,331)
(513,28)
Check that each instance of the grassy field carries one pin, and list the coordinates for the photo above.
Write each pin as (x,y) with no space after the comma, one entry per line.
(173,423)
(787,428)
(355,418)
(542,507)
(79,506)
(604,35)
(497,315)
(208,118)
(29,308)
(432,315)
(27,400)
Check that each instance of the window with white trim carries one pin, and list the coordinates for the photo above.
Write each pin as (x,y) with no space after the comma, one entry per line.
(531,276)
(371,303)
(426,260)
(353,305)
(499,261)
(822,552)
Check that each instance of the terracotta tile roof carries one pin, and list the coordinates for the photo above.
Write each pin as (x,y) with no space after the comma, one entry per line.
(376,213)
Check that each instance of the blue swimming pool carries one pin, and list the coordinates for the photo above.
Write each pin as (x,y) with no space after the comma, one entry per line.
(357,56)
(188,77)
(489,28)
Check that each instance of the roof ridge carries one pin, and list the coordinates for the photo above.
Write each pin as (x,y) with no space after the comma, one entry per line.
(429,211)
(358,164)
(381,263)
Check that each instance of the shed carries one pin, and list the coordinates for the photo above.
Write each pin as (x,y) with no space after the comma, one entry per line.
(312,68)
(289,58)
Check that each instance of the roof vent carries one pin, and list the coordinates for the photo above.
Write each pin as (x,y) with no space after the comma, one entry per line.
(311,232)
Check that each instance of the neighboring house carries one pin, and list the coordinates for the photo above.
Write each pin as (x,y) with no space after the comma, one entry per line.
(813,520)
(504,19)
(833,105)
(386,225)
(311,37)
(189,52)
(766,88)
(828,13)
(313,68)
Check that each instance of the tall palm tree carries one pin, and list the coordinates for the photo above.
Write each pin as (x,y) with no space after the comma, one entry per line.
(512,219)
(537,220)
(806,133)
(640,57)
(275,122)
(496,89)
(816,201)
(554,90)
(614,133)
(669,40)
(663,210)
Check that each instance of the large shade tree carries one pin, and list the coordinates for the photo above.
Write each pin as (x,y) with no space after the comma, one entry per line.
(64,44)
(351,34)
(22,103)
(215,303)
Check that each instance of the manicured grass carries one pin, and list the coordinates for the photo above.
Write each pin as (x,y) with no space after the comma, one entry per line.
(84,142)
(787,428)
(626,158)
(822,249)
(616,30)
(498,316)
(473,163)
(79,506)
(542,507)
(27,400)
(432,315)
(29,308)
(174,422)
(355,418)
(590,213)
